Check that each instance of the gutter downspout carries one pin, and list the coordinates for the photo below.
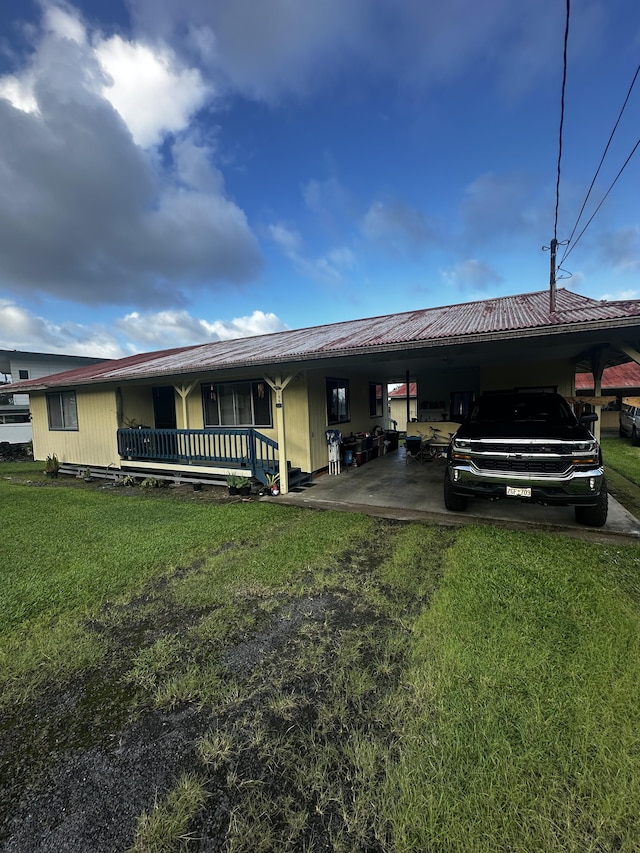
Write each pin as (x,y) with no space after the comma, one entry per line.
(278,384)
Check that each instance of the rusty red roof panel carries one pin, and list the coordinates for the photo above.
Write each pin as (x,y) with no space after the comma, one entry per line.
(621,376)
(528,311)
(401,390)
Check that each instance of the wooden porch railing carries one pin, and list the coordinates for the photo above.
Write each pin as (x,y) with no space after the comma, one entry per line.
(224,446)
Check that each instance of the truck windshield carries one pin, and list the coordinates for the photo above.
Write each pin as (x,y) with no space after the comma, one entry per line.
(521,407)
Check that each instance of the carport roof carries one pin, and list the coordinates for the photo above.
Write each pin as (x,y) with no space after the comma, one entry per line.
(501,318)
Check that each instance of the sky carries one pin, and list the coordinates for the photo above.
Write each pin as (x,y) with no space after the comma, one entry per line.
(174,172)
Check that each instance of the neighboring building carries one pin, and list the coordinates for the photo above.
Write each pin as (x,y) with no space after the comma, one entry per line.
(621,382)
(15,422)
(256,404)
(398,404)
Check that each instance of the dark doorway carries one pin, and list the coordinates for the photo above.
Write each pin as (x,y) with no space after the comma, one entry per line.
(164,407)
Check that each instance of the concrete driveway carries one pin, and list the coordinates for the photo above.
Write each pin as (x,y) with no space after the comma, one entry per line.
(389,487)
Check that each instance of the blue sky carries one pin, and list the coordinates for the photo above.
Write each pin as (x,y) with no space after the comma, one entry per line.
(179,171)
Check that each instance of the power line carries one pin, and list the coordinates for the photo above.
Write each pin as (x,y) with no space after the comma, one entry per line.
(604,154)
(613,183)
(554,242)
(564,84)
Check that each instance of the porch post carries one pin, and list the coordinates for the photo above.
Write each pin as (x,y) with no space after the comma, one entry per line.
(184,391)
(278,384)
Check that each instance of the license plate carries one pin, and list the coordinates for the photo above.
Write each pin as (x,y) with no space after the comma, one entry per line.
(517,492)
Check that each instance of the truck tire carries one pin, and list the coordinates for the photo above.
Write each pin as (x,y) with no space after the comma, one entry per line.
(596,515)
(452,501)
(635,441)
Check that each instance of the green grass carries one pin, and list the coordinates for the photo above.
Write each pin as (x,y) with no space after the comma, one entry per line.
(620,455)
(400,687)
(622,464)
(68,552)
(519,670)
(165,828)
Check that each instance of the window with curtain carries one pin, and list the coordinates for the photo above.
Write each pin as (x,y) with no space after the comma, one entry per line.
(237,404)
(338,401)
(62,411)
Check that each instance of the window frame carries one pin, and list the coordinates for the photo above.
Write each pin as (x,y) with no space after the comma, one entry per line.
(66,403)
(259,389)
(23,374)
(376,403)
(333,386)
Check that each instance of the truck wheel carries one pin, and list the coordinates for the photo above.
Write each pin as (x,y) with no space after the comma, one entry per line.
(596,515)
(634,437)
(621,432)
(452,501)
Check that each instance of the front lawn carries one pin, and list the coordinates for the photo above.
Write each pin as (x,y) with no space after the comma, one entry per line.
(184,675)
(622,464)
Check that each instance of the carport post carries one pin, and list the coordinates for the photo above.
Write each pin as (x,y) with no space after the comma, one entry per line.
(597,367)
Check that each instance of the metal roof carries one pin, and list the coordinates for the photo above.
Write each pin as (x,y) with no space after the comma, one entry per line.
(490,319)
(401,390)
(621,376)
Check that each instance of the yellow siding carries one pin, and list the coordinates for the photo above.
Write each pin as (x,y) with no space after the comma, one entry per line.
(136,406)
(361,419)
(95,440)
(296,422)
(398,409)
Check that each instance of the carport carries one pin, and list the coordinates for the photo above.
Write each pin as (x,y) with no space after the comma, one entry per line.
(389,488)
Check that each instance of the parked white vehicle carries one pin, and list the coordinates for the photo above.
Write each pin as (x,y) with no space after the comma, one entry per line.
(630,423)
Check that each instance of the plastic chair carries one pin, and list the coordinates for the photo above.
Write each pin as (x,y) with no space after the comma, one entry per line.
(415,450)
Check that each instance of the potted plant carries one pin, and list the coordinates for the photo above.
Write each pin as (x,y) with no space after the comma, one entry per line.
(238,485)
(273,484)
(51,465)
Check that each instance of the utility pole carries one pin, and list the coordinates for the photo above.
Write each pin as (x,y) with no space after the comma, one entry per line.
(552,276)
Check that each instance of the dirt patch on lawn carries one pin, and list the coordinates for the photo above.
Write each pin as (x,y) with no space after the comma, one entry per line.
(278,700)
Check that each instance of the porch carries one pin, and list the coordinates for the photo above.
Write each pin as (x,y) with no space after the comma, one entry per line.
(216,451)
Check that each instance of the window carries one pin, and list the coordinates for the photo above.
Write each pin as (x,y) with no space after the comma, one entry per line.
(375,400)
(460,404)
(62,410)
(338,401)
(237,404)
(23,374)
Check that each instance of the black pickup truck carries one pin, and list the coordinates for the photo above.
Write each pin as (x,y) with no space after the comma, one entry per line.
(527,446)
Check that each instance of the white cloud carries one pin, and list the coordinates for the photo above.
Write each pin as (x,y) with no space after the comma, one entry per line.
(22,330)
(64,22)
(621,295)
(165,329)
(88,215)
(288,241)
(327,268)
(135,332)
(19,92)
(152,94)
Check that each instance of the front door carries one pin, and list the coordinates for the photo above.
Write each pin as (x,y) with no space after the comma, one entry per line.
(164,407)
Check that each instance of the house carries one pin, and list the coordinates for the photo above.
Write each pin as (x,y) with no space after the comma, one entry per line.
(263,404)
(399,412)
(620,382)
(15,421)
